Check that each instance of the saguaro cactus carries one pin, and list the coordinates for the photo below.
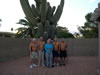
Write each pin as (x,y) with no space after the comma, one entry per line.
(42,15)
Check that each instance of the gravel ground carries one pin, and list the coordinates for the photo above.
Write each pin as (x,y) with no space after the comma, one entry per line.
(80,65)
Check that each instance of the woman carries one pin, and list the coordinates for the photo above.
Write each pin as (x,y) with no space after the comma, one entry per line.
(48,52)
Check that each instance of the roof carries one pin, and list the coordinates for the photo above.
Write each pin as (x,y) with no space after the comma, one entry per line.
(7,33)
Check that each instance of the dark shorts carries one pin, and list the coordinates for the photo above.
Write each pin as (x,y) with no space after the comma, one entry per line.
(55,54)
(63,54)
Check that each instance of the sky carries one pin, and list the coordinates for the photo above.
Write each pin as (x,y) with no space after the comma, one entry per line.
(73,13)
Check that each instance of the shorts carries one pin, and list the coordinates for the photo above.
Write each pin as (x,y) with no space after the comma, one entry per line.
(63,54)
(34,55)
(55,54)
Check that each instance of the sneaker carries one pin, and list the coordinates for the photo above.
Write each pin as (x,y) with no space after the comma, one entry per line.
(64,64)
(31,66)
(57,64)
(61,64)
(34,65)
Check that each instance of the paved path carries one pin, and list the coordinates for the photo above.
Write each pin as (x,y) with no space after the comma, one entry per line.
(76,66)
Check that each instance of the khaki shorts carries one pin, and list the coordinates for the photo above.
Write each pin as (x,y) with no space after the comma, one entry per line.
(34,55)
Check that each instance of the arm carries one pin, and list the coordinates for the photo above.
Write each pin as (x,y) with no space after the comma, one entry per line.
(46,48)
(38,45)
(44,45)
(51,48)
(66,46)
(59,47)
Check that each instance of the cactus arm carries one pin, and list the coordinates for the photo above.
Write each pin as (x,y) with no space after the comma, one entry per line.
(55,18)
(27,10)
(62,3)
(35,12)
(53,30)
(47,27)
(48,12)
(51,12)
(38,2)
(40,29)
(43,10)
(57,15)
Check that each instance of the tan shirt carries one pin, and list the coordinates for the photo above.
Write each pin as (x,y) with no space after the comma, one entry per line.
(33,46)
(41,45)
(63,46)
(56,46)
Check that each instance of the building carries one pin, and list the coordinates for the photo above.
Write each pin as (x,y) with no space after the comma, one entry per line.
(7,34)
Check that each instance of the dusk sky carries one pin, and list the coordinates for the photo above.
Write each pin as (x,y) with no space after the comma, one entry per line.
(73,14)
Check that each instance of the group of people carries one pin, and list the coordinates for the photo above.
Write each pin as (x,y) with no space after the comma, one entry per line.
(51,53)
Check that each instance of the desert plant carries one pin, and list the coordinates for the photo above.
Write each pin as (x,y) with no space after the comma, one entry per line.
(43,16)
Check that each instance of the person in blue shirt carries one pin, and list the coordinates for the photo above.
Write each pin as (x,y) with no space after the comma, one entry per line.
(49,53)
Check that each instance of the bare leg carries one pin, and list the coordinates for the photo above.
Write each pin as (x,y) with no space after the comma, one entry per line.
(39,58)
(56,61)
(63,61)
(31,63)
(35,61)
(42,58)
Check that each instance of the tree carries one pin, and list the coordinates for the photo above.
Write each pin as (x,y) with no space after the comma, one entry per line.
(28,30)
(63,32)
(90,28)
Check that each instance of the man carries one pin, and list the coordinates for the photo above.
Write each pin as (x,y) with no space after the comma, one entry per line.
(48,53)
(63,54)
(41,44)
(56,50)
(33,53)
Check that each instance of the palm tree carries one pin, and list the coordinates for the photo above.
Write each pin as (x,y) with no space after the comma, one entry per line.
(29,30)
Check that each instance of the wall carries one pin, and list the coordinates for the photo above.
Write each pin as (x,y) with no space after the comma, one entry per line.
(82,47)
(11,48)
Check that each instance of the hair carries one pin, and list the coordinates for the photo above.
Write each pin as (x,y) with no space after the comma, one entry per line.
(33,39)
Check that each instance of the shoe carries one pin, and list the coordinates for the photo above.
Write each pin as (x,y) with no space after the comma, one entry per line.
(31,66)
(64,64)
(61,64)
(53,66)
(34,65)
(57,64)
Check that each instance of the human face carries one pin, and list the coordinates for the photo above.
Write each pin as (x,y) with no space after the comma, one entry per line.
(34,41)
(62,40)
(41,38)
(48,41)
(55,39)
